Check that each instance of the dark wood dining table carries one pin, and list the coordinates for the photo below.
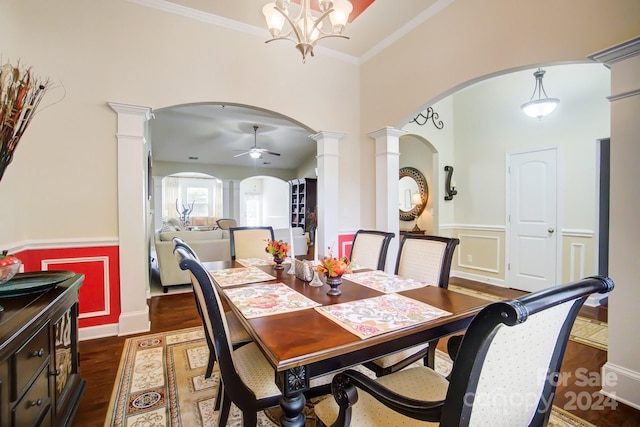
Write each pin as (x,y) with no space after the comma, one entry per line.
(304,344)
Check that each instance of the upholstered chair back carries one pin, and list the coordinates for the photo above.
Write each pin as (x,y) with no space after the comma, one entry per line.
(508,365)
(226,223)
(369,249)
(426,258)
(249,242)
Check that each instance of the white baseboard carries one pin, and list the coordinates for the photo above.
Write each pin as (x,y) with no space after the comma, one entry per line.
(101,331)
(621,384)
(134,322)
(595,300)
(479,278)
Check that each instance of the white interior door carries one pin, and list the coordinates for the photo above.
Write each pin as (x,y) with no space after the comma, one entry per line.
(533,220)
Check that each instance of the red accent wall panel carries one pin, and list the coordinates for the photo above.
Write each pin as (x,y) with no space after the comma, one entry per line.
(99,299)
(344,244)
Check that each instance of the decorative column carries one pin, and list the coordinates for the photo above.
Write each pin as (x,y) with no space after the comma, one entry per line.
(133,209)
(620,377)
(327,198)
(226,188)
(387,182)
(234,211)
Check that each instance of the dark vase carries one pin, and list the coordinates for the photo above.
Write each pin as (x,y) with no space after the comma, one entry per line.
(334,282)
(278,262)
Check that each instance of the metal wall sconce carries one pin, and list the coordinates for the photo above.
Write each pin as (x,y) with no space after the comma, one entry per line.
(448,187)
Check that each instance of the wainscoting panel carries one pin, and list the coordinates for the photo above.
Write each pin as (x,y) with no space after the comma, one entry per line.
(479,252)
(99,299)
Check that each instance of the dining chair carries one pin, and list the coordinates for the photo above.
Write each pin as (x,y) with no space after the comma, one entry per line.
(249,242)
(369,249)
(247,378)
(226,223)
(505,372)
(428,259)
(238,334)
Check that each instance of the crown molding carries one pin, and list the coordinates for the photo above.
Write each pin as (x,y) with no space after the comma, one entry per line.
(187,12)
(436,8)
(618,52)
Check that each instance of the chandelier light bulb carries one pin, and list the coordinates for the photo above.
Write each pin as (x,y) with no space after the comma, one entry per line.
(305,30)
(340,15)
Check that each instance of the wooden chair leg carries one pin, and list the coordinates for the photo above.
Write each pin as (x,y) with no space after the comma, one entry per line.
(430,358)
(249,419)
(224,412)
(210,365)
(220,395)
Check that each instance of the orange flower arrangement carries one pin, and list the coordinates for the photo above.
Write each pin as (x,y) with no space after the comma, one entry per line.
(277,248)
(333,267)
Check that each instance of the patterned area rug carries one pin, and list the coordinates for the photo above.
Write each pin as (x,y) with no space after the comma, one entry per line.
(589,332)
(161,383)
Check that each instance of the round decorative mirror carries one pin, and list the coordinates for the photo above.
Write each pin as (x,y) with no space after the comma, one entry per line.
(413,193)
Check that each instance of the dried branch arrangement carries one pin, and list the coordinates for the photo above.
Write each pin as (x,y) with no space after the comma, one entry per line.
(20,95)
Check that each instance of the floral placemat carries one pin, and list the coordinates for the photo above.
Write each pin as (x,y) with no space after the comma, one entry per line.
(240,276)
(384,282)
(251,262)
(369,317)
(267,299)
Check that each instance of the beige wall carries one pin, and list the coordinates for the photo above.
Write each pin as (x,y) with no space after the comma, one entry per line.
(118,51)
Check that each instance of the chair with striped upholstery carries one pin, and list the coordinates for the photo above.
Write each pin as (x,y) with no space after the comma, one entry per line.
(505,373)
(428,259)
(369,249)
(247,378)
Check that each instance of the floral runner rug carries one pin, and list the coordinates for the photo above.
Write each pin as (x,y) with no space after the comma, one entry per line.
(594,333)
(160,383)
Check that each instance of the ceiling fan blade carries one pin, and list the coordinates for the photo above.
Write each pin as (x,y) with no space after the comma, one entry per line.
(242,154)
(271,152)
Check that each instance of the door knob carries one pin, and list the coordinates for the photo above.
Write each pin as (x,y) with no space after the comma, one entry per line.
(551,230)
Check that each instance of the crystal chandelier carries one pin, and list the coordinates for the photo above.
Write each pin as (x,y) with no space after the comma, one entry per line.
(542,106)
(305,30)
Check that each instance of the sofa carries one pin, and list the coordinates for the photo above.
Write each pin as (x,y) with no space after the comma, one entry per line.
(210,245)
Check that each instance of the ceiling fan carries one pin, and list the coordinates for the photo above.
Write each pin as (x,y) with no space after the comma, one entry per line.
(256,152)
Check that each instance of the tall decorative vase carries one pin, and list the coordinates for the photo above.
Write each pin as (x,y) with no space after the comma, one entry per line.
(334,282)
(278,262)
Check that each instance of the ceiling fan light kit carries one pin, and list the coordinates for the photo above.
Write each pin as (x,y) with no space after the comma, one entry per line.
(256,152)
(305,30)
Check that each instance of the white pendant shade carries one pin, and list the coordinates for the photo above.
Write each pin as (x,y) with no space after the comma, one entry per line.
(542,106)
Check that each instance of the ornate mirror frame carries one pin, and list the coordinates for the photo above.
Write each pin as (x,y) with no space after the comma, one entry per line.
(419,178)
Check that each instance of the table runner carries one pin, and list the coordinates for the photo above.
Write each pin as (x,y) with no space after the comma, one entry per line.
(369,317)
(240,276)
(251,262)
(384,282)
(268,298)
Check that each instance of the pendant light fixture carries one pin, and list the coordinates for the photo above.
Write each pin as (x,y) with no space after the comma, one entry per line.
(305,30)
(539,107)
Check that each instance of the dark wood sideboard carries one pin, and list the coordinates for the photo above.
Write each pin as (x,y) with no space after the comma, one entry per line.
(40,383)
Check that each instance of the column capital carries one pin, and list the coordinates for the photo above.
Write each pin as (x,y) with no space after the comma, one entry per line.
(326,135)
(387,131)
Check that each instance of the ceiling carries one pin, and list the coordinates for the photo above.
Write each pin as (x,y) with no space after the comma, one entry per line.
(214,134)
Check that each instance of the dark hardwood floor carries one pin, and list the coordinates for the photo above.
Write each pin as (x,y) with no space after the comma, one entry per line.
(99,360)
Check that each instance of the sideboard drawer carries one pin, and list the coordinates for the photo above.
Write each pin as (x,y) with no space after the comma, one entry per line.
(34,404)
(29,359)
